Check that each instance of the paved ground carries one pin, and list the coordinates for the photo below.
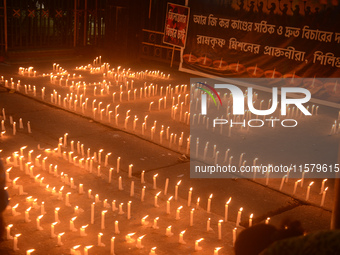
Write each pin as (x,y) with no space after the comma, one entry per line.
(49,122)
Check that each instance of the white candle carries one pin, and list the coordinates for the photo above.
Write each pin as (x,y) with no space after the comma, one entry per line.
(156,201)
(89,193)
(168,205)
(112,249)
(132,189)
(118,164)
(130,171)
(323,197)
(116,227)
(267,221)
(155,181)
(209,204)
(100,240)
(143,193)
(27,215)
(14,212)
(239,214)
(295,185)
(52,229)
(208,225)
(220,229)
(322,186)
(142,177)
(181,239)
(234,236)
(74,250)
(153,251)
(128,238)
(139,242)
(129,210)
(189,196)
(121,209)
(120,184)
(251,220)
(67,199)
(81,188)
(102,226)
(8,232)
(178,213)
(192,217)
(154,226)
(82,231)
(143,220)
(72,228)
(86,249)
(15,242)
(38,222)
(176,189)
(59,238)
(197,203)
(166,186)
(56,215)
(92,213)
(197,247)
(168,232)
(308,191)
(226,209)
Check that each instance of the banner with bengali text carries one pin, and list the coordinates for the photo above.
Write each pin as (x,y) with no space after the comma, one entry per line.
(273,39)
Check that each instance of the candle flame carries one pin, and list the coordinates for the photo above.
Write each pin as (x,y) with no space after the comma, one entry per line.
(228,201)
(218,248)
(84,226)
(10,225)
(89,246)
(199,240)
(131,234)
(9,169)
(220,221)
(17,235)
(298,180)
(155,175)
(190,189)
(326,189)
(54,223)
(57,209)
(16,206)
(169,227)
(178,183)
(141,237)
(28,209)
(183,232)
(311,184)
(39,217)
(211,195)
(154,248)
(73,219)
(158,193)
(198,199)
(241,209)
(100,234)
(179,208)
(145,217)
(16,179)
(61,234)
(75,247)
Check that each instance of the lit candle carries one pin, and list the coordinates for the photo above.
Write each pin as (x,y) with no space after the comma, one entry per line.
(72,228)
(216,250)
(197,203)
(234,236)
(8,232)
(220,229)
(139,242)
(322,186)
(129,210)
(89,193)
(168,205)
(168,232)
(121,209)
(181,240)
(120,184)
(116,227)
(239,214)
(129,239)
(110,175)
(155,181)
(100,240)
(197,247)
(153,251)
(130,171)
(323,196)
(295,185)
(86,249)
(143,194)
(27,215)
(67,199)
(143,220)
(156,199)
(59,238)
(132,189)
(81,188)
(56,215)
(15,242)
(96,199)
(118,164)
(251,220)
(267,221)
(38,222)
(112,249)
(226,210)
(74,250)
(154,226)
(142,177)
(209,204)
(92,213)
(308,190)
(176,190)
(178,212)
(82,231)
(52,229)
(103,220)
